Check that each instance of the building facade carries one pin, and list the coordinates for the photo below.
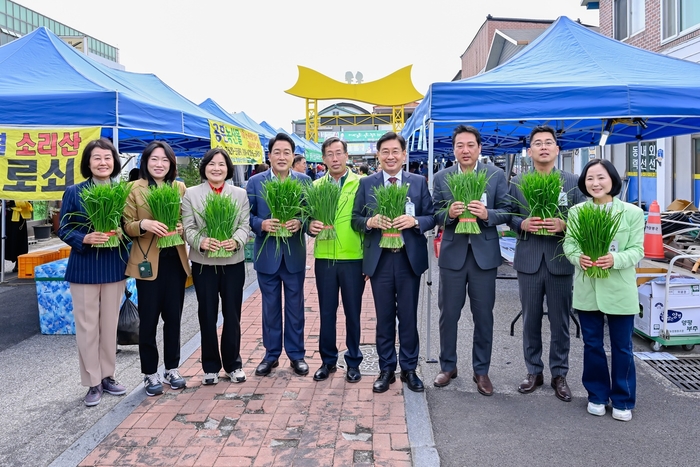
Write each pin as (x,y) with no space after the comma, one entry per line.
(17,21)
(669,27)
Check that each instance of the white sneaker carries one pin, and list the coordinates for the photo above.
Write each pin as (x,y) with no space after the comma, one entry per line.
(596,409)
(210,378)
(237,376)
(622,415)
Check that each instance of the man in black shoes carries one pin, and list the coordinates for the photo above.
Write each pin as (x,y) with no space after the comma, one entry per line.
(395,273)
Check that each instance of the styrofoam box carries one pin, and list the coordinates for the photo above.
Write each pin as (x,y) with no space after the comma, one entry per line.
(683,306)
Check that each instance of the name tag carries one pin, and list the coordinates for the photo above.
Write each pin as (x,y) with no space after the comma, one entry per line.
(563,200)
(614,247)
(410,208)
(484,199)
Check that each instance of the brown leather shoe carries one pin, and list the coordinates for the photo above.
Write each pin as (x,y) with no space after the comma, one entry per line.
(444,377)
(530,383)
(483,385)
(561,389)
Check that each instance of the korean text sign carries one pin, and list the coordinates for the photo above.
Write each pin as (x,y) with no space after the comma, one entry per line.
(243,146)
(38,164)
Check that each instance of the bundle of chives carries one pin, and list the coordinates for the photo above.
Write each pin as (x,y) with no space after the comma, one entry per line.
(104,205)
(283,197)
(541,192)
(391,202)
(592,229)
(467,187)
(164,204)
(220,217)
(321,204)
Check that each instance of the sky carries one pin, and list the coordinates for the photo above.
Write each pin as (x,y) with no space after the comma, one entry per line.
(244,54)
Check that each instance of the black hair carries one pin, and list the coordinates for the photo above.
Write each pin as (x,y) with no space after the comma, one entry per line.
(134,174)
(209,155)
(281,137)
(102,143)
(364,169)
(169,153)
(612,172)
(331,140)
(466,129)
(298,158)
(544,129)
(389,136)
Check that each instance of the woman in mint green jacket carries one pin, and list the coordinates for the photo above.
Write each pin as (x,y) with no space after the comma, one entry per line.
(614,297)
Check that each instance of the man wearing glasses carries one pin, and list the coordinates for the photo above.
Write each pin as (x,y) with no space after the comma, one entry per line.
(469,262)
(395,273)
(544,271)
(338,268)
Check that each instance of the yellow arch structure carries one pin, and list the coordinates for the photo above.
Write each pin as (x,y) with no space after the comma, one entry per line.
(393,90)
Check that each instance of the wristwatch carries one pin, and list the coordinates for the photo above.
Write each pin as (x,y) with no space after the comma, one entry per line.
(415,222)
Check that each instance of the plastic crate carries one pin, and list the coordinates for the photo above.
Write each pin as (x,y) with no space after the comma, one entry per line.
(27,262)
(63,252)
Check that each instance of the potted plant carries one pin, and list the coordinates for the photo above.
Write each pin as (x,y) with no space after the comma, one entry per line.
(42,220)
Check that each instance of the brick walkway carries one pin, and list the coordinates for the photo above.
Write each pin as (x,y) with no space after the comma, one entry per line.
(279,420)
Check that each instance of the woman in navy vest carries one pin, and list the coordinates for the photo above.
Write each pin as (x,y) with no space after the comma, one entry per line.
(96,276)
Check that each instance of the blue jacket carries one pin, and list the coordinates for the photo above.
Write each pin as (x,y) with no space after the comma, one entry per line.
(267,259)
(86,264)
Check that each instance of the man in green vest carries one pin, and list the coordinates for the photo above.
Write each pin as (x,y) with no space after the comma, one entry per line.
(339,268)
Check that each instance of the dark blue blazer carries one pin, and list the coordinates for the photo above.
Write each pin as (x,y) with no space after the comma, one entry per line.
(415,242)
(267,258)
(86,264)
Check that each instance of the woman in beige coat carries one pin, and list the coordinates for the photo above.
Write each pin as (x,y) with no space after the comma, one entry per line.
(217,277)
(160,273)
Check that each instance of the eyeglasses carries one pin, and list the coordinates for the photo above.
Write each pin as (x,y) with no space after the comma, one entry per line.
(386,152)
(334,154)
(538,144)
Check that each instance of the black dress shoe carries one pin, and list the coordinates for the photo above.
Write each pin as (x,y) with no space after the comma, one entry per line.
(382,383)
(412,380)
(300,367)
(353,375)
(266,367)
(324,372)
(561,388)
(530,383)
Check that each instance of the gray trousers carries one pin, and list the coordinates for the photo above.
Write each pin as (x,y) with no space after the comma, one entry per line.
(558,292)
(480,284)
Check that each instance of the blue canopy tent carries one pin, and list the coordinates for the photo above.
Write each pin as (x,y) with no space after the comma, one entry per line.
(45,82)
(265,134)
(299,149)
(579,82)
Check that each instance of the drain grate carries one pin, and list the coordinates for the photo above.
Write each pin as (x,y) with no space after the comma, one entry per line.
(683,372)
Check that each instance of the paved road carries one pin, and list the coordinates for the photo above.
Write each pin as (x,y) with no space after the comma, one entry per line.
(537,429)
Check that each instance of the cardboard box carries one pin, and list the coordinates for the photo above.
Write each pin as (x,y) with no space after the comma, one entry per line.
(683,306)
(54,298)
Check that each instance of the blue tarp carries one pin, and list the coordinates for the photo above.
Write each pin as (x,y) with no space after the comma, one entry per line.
(45,82)
(573,79)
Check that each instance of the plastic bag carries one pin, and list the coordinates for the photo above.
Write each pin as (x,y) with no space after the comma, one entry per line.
(128,325)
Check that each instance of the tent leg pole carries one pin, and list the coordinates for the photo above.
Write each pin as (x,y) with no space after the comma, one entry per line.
(2,247)
(639,166)
(429,291)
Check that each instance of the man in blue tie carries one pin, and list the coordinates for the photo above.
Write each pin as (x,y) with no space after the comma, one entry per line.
(395,273)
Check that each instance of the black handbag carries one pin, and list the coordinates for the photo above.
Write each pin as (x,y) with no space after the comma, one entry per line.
(129,321)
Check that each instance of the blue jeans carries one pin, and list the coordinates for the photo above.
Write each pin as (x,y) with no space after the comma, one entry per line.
(619,385)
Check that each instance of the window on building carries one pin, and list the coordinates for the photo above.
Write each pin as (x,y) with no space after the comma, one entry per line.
(628,18)
(678,16)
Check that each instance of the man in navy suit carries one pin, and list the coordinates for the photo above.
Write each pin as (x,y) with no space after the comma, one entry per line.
(469,262)
(279,268)
(395,273)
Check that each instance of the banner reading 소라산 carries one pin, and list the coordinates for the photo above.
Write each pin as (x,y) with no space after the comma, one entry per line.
(38,164)
(242,145)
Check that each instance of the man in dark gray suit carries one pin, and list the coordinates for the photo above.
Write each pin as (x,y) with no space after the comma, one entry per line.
(469,262)
(544,271)
(395,273)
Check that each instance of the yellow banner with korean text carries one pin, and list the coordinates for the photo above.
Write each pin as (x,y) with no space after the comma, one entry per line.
(242,146)
(38,164)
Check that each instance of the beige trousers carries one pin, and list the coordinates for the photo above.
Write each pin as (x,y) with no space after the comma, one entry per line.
(96,312)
